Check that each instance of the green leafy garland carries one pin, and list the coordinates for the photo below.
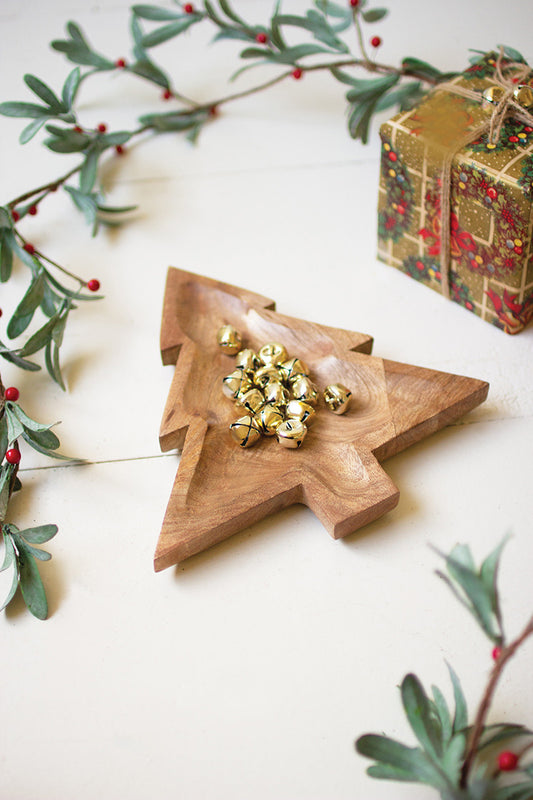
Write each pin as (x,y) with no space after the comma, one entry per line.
(53,291)
(453,757)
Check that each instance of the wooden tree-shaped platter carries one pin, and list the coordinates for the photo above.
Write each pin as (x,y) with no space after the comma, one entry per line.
(221,488)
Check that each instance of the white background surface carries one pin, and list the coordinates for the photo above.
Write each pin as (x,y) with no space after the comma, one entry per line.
(248,671)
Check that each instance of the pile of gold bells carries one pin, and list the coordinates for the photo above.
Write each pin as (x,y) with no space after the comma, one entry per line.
(275,392)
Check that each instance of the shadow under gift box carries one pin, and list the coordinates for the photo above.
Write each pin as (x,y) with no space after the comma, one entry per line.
(490,264)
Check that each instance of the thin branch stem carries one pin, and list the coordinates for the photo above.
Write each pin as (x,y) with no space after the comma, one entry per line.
(506,654)
(367,61)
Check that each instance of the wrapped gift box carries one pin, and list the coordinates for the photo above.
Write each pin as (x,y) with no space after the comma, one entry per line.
(489,260)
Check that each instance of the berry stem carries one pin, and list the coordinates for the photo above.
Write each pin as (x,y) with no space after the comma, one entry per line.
(477,730)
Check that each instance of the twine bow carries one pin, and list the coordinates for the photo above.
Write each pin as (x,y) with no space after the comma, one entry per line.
(507,106)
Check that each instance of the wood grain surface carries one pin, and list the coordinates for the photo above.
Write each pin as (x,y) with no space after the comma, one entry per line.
(221,488)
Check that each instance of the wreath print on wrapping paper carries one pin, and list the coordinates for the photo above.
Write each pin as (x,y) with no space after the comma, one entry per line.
(427,269)
(503,256)
(395,219)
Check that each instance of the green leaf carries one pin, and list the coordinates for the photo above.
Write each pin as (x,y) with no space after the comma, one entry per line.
(169,31)
(112,139)
(30,110)
(405,97)
(418,710)
(86,203)
(364,90)
(458,564)
(14,426)
(421,69)
(155,13)
(9,550)
(39,339)
(232,34)
(374,14)
(29,423)
(44,92)
(513,54)
(501,732)
(9,561)
(390,773)
(399,757)
(3,437)
(147,69)
(359,120)
(488,574)
(78,50)
(453,758)
(70,87)
(230,13)
(30,582)
(51,358)
(174,120)
(39,534)
(88,171)
(45,442)
(30,130)
(6,260)
(13,357)
(460,720)
(26,308)
(517,791)
(443,712)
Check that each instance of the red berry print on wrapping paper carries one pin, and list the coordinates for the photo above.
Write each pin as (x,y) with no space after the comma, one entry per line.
(514,136)
(427,270)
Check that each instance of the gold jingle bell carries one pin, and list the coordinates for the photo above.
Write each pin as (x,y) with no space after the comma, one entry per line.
(275,393)
(229,339)
(492,96)
(304,389)
(252,400)
(265,374)
(269,419)
(272,353)
(337,398)
(523,94)
(236,383)
(296,409)
(247,359)
(293,368)
(245,431)
(291,433)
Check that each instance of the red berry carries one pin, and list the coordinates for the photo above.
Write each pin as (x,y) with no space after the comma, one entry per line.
(354,3)
(213,111)
(392,156)
(469,305)
(261,38)
(507,760)
(119,150)
(102,128)
(120,63)
(188,8)
(492,193)
(419,265)
(93,285)
(77,129)
(518,250)
(32,210)
(375,41)
(1,312)
(528,129)
(496,653)
(15,215)
(13,455)
(29,248)
(400,210)
(514,139)
(297,73)
(12,393)
(167,94)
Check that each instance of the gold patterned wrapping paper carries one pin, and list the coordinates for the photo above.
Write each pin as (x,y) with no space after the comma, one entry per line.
(490,271)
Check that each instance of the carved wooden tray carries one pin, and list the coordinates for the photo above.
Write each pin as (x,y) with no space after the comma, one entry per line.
(221,488)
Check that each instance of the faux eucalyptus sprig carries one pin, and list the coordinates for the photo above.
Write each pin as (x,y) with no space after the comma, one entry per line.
(461,761)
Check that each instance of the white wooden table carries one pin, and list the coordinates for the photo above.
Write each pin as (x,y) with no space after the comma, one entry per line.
(247,671)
